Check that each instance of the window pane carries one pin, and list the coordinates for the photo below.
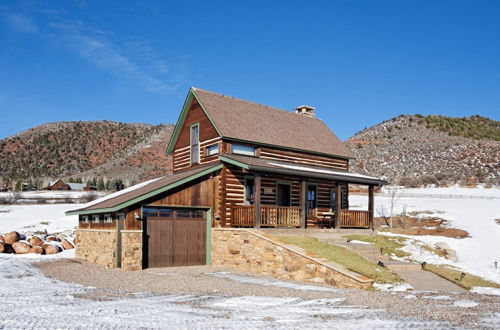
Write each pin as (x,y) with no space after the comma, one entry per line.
(249,190)
(243,149)
(213,150)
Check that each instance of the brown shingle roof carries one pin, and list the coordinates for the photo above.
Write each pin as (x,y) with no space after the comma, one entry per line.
(243,120)
(142,190)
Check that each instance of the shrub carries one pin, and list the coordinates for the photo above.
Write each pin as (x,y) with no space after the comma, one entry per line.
(89,197)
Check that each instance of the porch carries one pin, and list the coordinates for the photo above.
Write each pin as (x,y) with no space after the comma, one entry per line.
(289,216)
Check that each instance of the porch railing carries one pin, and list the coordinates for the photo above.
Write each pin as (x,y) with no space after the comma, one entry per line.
(243,216)
(270,216)
(354,219)
(280,216)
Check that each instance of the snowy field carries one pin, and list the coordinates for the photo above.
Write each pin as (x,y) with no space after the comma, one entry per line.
(476,254)
(28,218)
(47,194)
(29,300)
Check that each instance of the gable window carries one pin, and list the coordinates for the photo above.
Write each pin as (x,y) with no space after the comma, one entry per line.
(249,190)
(212,150)
(311,199)
(95,219)
(242,149)
(195,144)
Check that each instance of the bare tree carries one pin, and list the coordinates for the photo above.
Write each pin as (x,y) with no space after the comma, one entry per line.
(393,192)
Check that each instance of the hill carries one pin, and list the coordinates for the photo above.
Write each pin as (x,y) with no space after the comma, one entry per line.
(87,150)
(418,149)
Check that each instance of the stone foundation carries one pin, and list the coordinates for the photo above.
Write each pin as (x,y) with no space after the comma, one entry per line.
(131,249)
(249,251)
(96,246)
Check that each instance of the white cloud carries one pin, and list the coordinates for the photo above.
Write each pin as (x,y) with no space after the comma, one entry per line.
(134,62)
(19,22)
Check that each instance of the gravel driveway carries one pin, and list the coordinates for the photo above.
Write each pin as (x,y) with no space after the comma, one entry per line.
(469,310)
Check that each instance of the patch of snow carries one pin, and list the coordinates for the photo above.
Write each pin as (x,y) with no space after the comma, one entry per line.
(437,297)
(270,282)
(31,218)
(393,287)
(476,254)
(410,296)
(354,241)
(486,290)
(32,300)
(121,192)
(310,169)
(465,303)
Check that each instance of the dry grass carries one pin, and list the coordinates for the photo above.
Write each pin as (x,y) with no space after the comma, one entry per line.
(468,282)
(349,259)
(390,245)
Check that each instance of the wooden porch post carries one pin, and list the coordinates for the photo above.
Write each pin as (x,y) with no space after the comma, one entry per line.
(338,199)
(302,203)
(257,184)
(370,206)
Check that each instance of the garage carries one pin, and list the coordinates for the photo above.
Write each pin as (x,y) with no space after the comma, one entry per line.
(175,236)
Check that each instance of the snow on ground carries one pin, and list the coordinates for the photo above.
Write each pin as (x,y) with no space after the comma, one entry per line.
(47,194)
(477,253)
(32,300)
(29,218)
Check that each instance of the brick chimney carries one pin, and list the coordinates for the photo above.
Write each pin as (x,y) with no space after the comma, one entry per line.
(306,110)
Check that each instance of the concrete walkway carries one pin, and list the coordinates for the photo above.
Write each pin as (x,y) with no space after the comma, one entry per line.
(412,273)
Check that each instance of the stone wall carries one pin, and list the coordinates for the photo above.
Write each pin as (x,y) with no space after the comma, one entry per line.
(96,246)
(249,251)
(131,249)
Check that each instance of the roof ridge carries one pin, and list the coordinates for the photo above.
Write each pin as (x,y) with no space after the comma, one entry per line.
(253,103)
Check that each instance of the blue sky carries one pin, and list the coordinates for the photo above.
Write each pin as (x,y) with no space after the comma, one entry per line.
(357,62)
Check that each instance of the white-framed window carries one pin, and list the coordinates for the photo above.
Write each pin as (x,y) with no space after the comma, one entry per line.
(195,143)
(85,219)
(243,149)
(108,218)
(213,149)
(95,218)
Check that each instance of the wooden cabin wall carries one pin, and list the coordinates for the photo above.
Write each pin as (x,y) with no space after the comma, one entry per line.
(202,192)
(59,185)
(208,136)
(304,158)
(231,192)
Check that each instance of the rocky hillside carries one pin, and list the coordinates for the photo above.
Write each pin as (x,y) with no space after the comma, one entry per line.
(430,150)
(86,149)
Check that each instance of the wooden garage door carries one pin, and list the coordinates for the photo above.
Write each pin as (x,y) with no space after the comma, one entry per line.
(176,237)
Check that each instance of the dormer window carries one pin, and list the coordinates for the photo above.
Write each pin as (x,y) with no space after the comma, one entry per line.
(242,149)
(195,144)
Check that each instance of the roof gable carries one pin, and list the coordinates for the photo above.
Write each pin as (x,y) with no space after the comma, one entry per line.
(246,121)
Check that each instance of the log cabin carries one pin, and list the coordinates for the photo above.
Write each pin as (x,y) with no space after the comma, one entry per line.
(235,164)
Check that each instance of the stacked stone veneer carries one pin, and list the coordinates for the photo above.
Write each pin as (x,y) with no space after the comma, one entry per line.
(96,246)
(249,251)
(131,249)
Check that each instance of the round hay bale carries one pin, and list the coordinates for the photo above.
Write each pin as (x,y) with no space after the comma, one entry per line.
(51,248)
(21,247)
(2,247)
(68,244)
(36,250)
(2,239)
(61,237)
(51,238)
(36,241)
(13,237)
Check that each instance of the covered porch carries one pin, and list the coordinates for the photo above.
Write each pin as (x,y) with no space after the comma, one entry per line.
(285,195)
